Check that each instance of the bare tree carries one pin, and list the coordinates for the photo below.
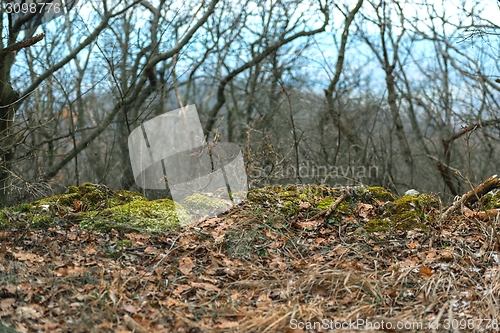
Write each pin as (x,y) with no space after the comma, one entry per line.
(389,41)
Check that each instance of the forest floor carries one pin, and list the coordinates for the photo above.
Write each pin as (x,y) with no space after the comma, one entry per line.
(262,268)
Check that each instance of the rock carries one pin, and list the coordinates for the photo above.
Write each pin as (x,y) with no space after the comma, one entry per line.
(412,192)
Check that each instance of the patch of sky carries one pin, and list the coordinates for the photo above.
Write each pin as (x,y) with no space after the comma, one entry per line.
(318,60)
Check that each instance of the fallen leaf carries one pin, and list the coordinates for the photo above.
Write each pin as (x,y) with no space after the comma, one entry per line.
(307,224)
(6,303)
(77,206)
(130,308)
(413,244)
(305,205)
(27,312)
(180,289)
(425,272)
(186,265)
(205,286)
(446,254)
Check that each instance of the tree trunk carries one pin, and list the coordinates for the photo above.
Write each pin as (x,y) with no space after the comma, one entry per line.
(8,97)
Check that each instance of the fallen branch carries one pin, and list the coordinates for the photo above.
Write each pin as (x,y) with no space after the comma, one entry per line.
(487,215)
(473,195)
(326,213)
(320,218)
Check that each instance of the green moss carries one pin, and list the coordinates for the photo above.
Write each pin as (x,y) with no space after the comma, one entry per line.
(63,200)
(344,207)
(408,221)
(379,225)
(287,199)
(420,203)
(325,203)
(289,207)
(72,189)
(491,201)
(90,196)
(96,207)
(123,196)
(22,208)
(378,193)
(260,197)
(409,212)
(41,221)
(22,215)
(200,204)
(151,216)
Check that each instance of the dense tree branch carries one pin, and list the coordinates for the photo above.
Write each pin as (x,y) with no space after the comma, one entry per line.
(97,31)
(221,99)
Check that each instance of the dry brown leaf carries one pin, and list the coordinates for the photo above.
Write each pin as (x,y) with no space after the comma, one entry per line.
(77,206)
(263,301)
(6,303)
(305,205)
(205,286)
(65,271)
(150,250)
(186,265)
(410,262)
(27,312)
(413,244)
(271,234)
(225,324)
(207,278)
(169,302)
(365,211)
(277,263)
(130,308)
(307,224)
(23,256)
(446,254)
(425,272)
(180,289)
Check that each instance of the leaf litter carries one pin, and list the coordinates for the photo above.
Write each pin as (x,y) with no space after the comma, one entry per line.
(258,268)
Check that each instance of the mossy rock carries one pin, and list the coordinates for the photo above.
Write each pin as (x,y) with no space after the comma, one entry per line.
(343,208)
(490,201)
(97,207)
(87,197)
(199,204)
(370,193)
(24,214)
(379,225)
(288,198)
(160,215)
(407,213)
(325,203)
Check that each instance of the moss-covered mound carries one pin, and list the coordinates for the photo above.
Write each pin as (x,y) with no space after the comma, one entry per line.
(374,209)
(406,213)
(97,207)
(289,199)
(377,193)
(139,215)
(198,205)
